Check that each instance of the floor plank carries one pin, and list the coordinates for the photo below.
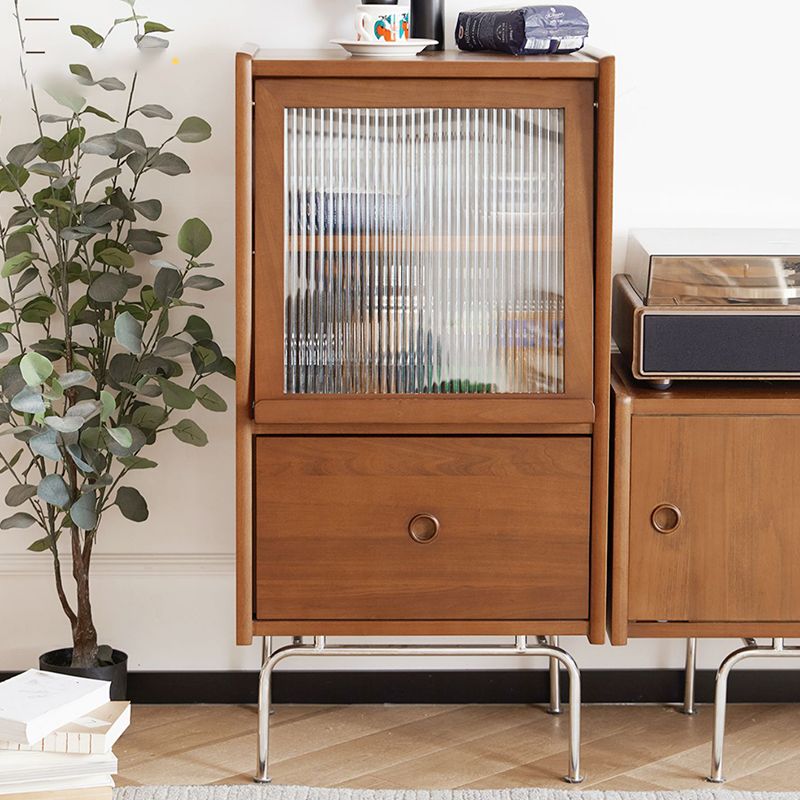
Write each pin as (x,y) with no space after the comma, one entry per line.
(625,748)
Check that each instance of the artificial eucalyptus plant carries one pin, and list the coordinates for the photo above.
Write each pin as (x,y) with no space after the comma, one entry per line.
(106,347)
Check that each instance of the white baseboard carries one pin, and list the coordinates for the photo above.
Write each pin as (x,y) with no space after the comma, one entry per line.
(155,564)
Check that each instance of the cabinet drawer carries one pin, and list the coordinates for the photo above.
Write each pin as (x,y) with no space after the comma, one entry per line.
(333,520)
(734,553)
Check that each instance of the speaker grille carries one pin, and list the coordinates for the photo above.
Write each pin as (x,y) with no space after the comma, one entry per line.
(721,343)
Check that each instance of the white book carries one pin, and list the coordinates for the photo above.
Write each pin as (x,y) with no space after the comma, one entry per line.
(20,768)
(65,787)
(94,733)
(35,703)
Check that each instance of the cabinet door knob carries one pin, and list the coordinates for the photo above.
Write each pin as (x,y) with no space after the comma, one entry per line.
(423,528)
(666,518)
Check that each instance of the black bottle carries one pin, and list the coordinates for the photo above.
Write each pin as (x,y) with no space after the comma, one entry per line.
(427,22)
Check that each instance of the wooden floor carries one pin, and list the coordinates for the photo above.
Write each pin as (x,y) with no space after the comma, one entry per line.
(624,747)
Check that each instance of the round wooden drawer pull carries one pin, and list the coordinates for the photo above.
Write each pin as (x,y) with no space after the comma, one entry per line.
(423,528)
(666,518)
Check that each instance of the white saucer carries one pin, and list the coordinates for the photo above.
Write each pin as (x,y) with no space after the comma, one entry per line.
(404,49)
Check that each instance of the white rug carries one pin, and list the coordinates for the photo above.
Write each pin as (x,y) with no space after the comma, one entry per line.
(308,793)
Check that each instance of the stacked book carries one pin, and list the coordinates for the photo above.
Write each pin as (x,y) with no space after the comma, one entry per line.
(56,735)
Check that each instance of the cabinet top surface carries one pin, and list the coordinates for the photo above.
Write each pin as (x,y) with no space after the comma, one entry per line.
(706,397)
(335,63)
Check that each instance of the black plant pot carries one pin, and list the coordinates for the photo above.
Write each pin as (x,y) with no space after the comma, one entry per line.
(117,673)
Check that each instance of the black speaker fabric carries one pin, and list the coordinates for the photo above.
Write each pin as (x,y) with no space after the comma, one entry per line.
(721,343)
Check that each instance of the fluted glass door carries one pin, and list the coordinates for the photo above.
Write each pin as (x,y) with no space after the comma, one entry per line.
(424,251)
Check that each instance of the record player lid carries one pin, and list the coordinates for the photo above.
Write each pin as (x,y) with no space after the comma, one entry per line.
(715,266)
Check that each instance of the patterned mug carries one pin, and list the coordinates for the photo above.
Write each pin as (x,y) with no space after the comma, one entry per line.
(382,23)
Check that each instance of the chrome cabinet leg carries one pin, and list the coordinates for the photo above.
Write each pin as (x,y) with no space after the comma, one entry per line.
(751,650)
(689,673)
(555,680)
(319,647)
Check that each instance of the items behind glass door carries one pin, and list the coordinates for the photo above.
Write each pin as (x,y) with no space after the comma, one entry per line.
(424,251)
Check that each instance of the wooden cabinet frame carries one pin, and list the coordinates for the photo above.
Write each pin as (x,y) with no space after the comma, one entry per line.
(581,84)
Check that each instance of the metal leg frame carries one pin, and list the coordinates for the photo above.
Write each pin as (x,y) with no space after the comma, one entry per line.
(319,647)
(688,685)
(751,650)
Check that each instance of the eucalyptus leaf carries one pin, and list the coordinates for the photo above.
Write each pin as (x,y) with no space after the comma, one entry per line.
(203,282)
(68,424)
(105,175)
(35,368)
(148,418)
(78,377)
(21,154)
(98,113)
(85,409)
(104,144)
(194,237)
(121,436)
(87,34)
(76,454)
(150,209)
(144,241)
(13,177)
(46,444)
(28,401)
(102,215)
(159,263)
(167,285)
(16,264)
(129,137)
(18,520)
(172,347)
(108,288)
(128,332)
(64,97)
(156,27)
(114,257)
(108,405)
(198,328)
(111,84)
(170,164)
(82,74)
(131,503)
(193,129)
(46,169)
(209,399)
(83,512)
(176,396)
(19,494)
(137,462)
(190,432)
(148,42)
(154,110)
(53,490)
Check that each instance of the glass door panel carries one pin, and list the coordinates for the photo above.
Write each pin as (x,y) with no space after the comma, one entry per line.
(423,250)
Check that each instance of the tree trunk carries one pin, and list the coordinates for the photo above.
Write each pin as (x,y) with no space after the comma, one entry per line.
(84,634)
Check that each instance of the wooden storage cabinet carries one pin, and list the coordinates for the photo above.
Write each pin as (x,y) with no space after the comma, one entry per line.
(503,528)
(423,284)
(705,509)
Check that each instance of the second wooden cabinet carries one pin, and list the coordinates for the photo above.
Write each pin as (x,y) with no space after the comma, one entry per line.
(705,510)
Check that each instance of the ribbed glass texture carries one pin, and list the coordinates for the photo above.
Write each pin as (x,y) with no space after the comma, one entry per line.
(424,251)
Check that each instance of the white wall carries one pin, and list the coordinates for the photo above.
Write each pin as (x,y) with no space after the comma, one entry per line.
(707,134)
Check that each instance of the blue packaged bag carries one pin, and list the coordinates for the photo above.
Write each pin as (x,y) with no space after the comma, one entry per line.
(530,30)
